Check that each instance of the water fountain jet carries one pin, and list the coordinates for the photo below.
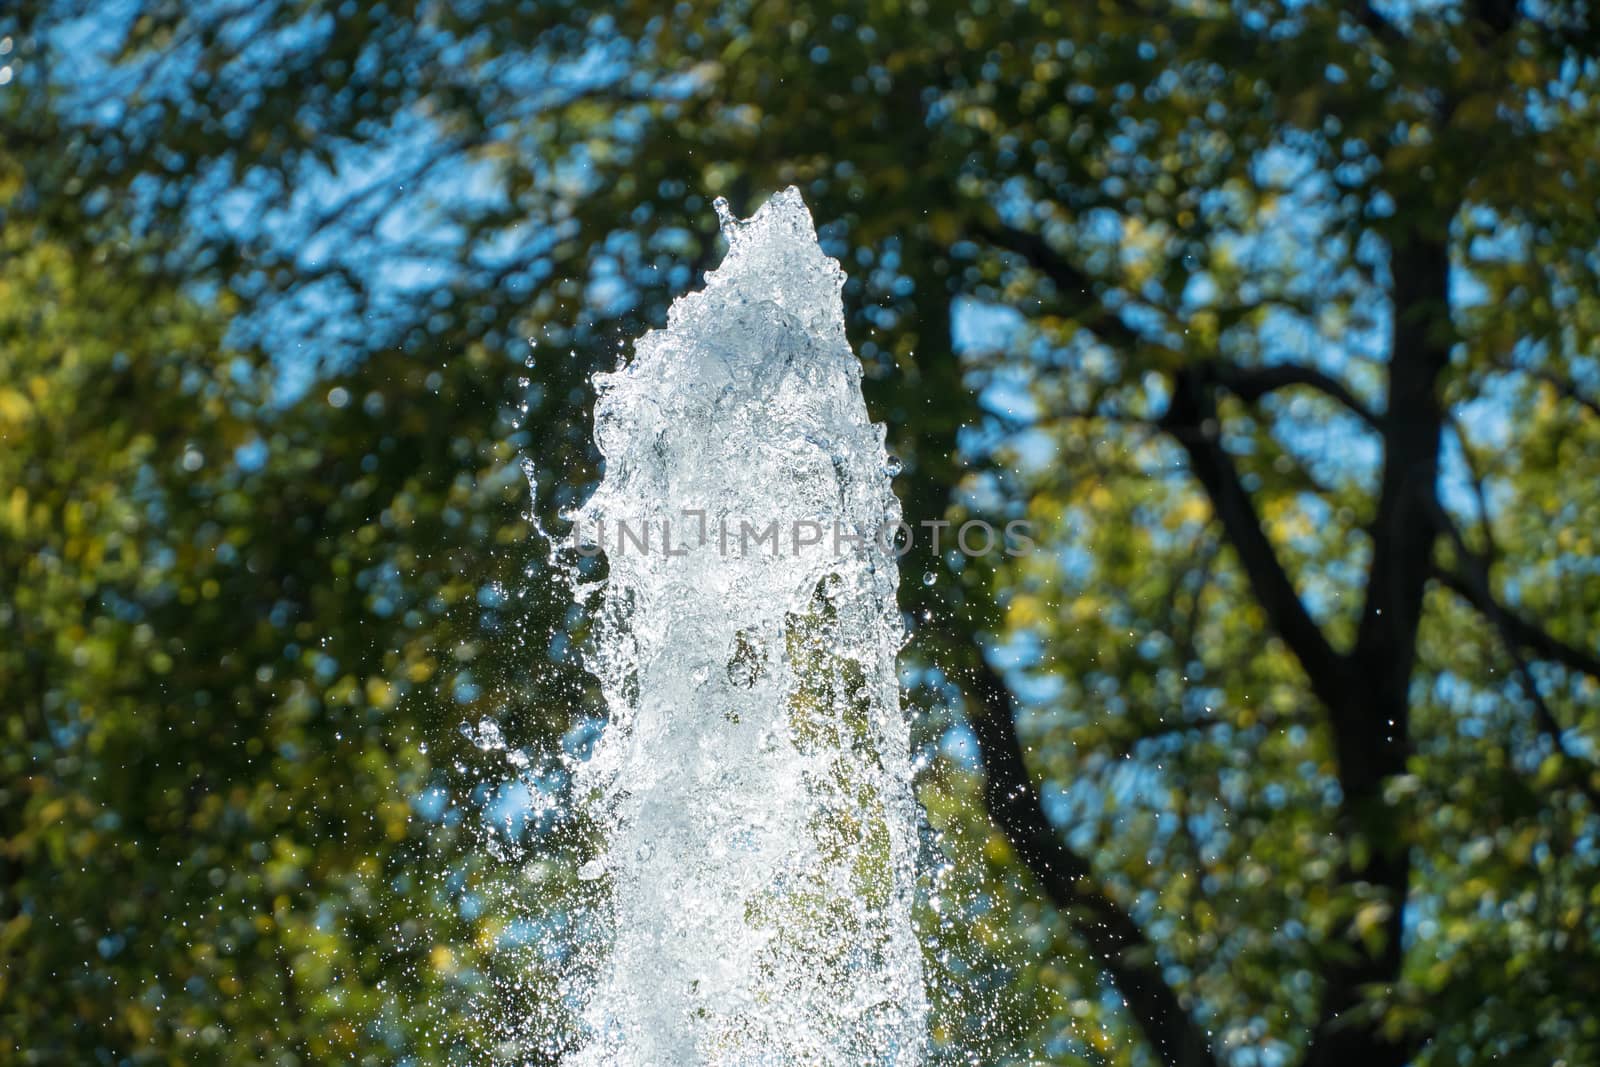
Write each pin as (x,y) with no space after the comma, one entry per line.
(753,780)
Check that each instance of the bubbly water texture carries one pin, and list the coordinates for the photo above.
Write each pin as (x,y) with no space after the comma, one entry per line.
(754,778)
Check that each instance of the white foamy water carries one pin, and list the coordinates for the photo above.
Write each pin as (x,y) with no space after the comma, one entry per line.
(754,780)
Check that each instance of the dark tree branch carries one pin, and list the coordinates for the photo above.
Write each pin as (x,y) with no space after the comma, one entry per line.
(1365,730)
(1563,388)
(1065,275)
(1477,590)
(1519,631)
(1115,940)
(1582,771)
(1498,15)
(1191,419)
(1376,24)
(1250,384)
(1477,580)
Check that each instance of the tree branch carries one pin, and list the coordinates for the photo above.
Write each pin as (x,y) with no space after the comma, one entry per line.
(1519,630)
(1065,275)
(1191,420)
(1498,15)
(1114,938)
(1250,384)
(1477,590)
(1548,724)
(1372,725)
(1379,26)
(1562,386)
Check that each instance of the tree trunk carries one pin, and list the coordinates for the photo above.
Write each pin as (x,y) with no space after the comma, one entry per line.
(1372,721)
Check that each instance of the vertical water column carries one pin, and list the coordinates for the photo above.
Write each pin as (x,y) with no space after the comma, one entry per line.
(754,778)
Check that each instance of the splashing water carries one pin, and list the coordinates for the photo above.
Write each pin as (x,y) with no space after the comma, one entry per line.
(754,780)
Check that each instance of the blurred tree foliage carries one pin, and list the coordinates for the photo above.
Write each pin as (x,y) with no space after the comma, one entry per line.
(1281,749)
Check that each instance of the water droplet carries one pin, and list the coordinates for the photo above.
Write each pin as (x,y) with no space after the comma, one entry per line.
(928,577)
(486,735)
(725,216)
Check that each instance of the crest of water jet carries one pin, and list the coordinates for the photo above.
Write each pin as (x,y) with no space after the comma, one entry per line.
(753,781)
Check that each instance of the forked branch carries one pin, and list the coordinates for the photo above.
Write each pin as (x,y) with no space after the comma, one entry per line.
(1191,419)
